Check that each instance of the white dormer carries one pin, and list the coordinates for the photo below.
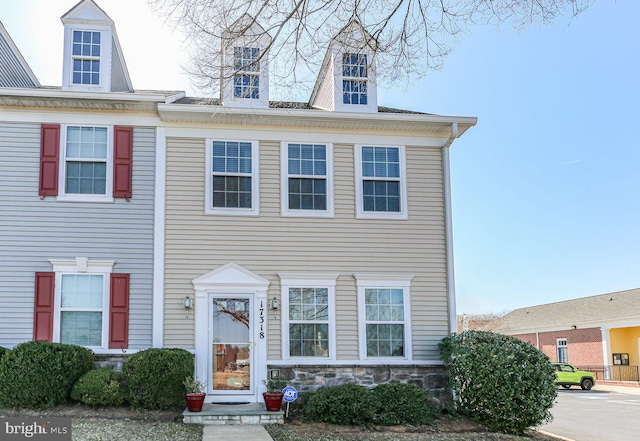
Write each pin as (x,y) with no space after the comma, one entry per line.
(93,60)
(347,79)
(245,64)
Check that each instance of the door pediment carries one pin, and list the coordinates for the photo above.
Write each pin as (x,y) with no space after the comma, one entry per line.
(230,275)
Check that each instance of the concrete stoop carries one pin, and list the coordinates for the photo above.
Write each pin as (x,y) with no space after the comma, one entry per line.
(233,414)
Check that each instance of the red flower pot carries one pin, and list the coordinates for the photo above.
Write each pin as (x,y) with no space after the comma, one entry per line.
(194,401)
(273,401)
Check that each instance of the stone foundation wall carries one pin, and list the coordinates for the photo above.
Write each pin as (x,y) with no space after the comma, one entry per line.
(310,378)
(111,361)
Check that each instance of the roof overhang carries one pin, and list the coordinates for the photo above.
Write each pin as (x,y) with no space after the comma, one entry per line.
(109,101)
(312,118)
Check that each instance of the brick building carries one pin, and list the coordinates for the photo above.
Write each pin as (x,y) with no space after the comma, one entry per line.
(600,333)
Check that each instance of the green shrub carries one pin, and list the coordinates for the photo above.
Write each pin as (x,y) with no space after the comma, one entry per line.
(41,374)
(403,404)
(347,404)
(100,387)
(154,378)
(499,381)
(2,352)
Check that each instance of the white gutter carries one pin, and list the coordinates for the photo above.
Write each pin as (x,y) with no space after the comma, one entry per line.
(75,95)
(451,288)
(211,110)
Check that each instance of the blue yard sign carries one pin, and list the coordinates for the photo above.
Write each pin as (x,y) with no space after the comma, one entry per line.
(290,394)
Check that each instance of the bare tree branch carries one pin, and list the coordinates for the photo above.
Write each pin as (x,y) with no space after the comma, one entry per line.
(410,37)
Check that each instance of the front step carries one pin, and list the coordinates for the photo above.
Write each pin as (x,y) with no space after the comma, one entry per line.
(233,414)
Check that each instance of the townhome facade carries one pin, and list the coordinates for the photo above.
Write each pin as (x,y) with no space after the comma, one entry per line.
(310,241)
(77,194)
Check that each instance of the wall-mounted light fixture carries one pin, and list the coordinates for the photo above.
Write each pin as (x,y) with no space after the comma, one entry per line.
(187,304)
(574,327)
(274,304)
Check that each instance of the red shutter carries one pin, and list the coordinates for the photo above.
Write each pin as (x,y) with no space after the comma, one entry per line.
(122,161)
(119,311)
(43,307)
(49,153)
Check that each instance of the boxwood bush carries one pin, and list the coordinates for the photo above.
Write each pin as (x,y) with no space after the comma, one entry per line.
(41,374)
(403,404)
(346,404)
(499,381)
(100,387)
(154,378)
(2,351)
(386,404)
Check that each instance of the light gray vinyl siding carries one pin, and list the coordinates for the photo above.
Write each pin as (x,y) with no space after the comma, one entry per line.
(12,73)
(118,79)
(34,230)
(197,243)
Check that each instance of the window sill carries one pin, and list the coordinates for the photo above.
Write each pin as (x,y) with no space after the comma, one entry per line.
(86,198)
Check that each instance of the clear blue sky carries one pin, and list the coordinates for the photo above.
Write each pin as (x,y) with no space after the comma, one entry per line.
(546,187)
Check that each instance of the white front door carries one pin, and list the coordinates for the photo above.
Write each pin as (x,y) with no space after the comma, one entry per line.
(231,356)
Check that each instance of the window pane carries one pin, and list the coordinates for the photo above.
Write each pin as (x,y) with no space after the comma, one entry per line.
(308,340)
(81,328)
(385,340)
(82,291)
(307,194)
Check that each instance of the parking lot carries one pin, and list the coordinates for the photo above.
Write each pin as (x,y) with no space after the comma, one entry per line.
(605,413)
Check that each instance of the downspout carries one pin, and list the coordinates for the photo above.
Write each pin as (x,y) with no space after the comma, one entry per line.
(451,294)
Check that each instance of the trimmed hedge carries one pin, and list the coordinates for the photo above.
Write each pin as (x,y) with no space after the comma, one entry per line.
(154,378)
(500,381)
(2,352)
(42,374)
(403,404)
(100,387)
(386,404)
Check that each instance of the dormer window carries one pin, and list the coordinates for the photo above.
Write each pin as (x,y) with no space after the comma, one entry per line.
(86,57)
(93,59)
(354,82)
(246,81)
(347,79)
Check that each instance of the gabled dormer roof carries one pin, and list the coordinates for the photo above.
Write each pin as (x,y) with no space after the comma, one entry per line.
(250,74)
(14,70)
(87,16)
(327,92)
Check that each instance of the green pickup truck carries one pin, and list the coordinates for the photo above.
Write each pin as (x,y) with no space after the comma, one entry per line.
(568,376)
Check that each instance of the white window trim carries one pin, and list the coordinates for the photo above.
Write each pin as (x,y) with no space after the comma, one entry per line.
(82,265)
(255,185)
(372,93)
(106,49)
(228,94)
(308,280)
(375,281)
(62,171)
(565,345)
(403,214)
(284,182)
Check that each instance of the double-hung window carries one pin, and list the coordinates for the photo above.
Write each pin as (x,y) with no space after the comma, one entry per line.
(233,177)
(381,185)
(85,50)
(246,80)
(86,160)
(384,316)
(354,78)
(82,298)
(307,181)
(308,318)
(83,291)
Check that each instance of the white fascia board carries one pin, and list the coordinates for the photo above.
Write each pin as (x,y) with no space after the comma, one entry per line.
(100,96)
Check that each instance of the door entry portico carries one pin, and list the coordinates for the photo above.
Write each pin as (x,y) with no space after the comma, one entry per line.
(230,334)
